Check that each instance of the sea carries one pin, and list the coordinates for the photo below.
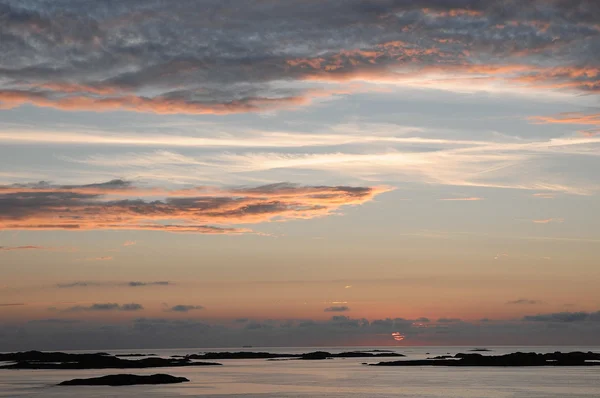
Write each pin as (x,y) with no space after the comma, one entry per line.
(324,378)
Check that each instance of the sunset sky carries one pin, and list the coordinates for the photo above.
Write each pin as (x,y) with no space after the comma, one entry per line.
(299,172)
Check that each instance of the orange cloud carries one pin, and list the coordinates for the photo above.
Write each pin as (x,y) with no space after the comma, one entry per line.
(202,210)
(161,105)
(569,118)
(548,221)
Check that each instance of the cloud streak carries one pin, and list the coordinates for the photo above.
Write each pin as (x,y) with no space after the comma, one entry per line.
(185,308)
(84,284)
(105,307)
(337,308)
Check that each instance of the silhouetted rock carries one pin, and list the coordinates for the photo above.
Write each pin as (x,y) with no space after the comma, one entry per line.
(59,360)
(238,355)
(480,350)
(442,357)
(514,359)
(125,380)
(317,355)
(309,356)
(135,355)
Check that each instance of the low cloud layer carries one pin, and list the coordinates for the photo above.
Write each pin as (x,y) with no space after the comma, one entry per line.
(581,328)
(101,206)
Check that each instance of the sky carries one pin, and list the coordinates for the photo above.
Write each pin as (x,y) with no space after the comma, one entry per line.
(219,173)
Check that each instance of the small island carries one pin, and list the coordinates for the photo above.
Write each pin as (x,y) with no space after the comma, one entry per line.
(316,355)
(514,359)
(125,380)
(60,360)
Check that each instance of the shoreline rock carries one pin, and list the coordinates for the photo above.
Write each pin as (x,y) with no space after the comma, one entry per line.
(125,380)
(509,360)
(60,360)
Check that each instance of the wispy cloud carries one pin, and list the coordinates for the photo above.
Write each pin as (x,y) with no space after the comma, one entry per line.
(111,284)
(36,248)
(185,308)
(469,199)
(129,243)
(99,307)
(523,302)
(101,258)
(16,248)
(549,220)
(337,308)
(569,118)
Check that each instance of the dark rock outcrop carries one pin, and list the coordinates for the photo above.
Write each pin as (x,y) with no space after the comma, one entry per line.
(134,355)
(125,380)
(514,359)
(59,360)
(316,355)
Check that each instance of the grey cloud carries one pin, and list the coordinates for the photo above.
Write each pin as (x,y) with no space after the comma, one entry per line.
(77,284)
(339,308)
(524,302)
(57,321)
(448,320)
(246,58)
(158,283)
(111,284)
(338,330)
(186,308)
(11,304)
(106,307)
(18,248)
(564,317)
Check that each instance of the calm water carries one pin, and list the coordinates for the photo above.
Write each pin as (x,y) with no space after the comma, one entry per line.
(328,378)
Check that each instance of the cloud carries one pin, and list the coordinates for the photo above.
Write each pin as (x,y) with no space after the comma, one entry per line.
(34,248)
(549,220)
(111,284)
(569,118)
(78,284)
(129,243)
(185,308)
(524,302)
(564,317)
(91,207)
(101,258)
(158,283)
(339,308)
(548,329)
(56,321)
(100,307)
(448,320)
(470,199)
(15,248)
(11,304)
(153,57)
